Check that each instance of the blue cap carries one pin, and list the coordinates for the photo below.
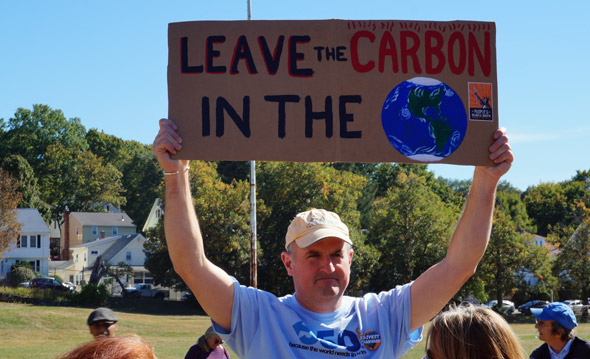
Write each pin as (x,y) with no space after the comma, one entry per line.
(560,312)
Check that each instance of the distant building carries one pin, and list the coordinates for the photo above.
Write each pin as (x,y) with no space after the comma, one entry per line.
(539,241)
(126,249)
(85,227)
(153,218)
(32,245)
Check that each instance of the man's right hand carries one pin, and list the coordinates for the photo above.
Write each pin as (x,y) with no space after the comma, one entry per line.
(166,144)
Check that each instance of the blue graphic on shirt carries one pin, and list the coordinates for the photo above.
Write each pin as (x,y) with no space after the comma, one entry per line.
(346,338)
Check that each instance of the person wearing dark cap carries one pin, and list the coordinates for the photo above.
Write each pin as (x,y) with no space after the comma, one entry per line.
(555,324)
(208,347)
(318,320)
(102,322)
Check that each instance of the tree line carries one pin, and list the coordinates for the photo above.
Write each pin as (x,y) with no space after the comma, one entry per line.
(400,216)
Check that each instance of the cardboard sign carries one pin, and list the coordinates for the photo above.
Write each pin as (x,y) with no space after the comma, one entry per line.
(334,90)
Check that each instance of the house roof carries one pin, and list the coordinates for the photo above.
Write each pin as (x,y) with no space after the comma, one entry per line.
(60,265)
(119,245)
(96,242)
(103,219)
(31,221)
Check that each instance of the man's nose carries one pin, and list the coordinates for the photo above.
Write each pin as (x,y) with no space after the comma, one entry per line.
(327,265)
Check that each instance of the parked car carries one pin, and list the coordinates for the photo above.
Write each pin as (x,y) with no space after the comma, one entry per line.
(576,304)
(507,305)
(147,291)
(71,285)
(48,283)
(24,284)
(526,307)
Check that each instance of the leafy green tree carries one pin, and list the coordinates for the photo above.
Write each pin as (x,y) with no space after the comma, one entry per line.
(157,260)
(30,132)
(410,226)
(537,262)
(233,170)
(141,173)
(573,262)
(386,175)
(141,180)
(9,198)
(504,256)
(19,168)
(566,203)
(78,181)
(287,188)
(222,210)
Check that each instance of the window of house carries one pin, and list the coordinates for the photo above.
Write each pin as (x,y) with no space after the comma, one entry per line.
(33,241)
(128,256)
(115,231)
(23,241)
(76,258)
(76,230)
(72,278)
(38,263)
(94,230)
(84,256)
(95,252)
(38,241)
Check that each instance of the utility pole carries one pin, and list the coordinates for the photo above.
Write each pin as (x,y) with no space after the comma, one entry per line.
(253,260)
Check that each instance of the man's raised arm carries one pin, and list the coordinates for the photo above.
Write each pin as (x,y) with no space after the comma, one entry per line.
(435,287)
(212,287)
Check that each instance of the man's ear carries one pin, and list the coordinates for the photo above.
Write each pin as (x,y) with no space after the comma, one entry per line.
(288,262)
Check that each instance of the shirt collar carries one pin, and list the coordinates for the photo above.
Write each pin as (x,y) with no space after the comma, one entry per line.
(563,352)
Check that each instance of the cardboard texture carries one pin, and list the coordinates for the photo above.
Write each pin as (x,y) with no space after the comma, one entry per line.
(334,90)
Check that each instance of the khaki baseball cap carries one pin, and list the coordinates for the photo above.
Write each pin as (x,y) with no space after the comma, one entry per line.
(313,225)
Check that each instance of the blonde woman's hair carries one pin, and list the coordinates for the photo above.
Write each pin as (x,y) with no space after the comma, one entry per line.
(467,331)
(123,347)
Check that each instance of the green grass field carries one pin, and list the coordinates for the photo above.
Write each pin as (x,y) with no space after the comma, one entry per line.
(28,331)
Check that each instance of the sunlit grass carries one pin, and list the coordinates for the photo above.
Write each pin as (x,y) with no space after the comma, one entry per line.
(29,331)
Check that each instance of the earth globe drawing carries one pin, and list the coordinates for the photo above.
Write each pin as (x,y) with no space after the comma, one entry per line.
(424,119)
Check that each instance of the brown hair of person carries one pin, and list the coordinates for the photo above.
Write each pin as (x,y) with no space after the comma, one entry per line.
(121,347)
(467,331)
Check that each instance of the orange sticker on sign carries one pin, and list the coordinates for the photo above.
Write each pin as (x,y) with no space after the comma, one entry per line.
(480,101)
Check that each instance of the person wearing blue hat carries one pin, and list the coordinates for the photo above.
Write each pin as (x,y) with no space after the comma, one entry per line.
(555,323)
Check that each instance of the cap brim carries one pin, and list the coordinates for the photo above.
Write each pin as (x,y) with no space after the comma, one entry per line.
(319,234)
(538,313)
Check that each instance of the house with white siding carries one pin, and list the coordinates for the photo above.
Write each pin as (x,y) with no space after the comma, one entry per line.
(126,249)
(32,245)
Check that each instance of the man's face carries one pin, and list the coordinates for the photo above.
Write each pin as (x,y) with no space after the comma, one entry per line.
(106,329)
(544,328)
(213,342)
(320,272)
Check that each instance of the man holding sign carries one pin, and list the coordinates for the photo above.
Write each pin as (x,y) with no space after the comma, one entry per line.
(319,320)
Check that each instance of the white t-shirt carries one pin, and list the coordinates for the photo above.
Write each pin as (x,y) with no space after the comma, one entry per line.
(374,326)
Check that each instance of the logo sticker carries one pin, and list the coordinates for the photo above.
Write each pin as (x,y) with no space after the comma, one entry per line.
(480,101)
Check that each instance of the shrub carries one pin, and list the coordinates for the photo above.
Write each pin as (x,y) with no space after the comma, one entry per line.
(19,274)
(91,295)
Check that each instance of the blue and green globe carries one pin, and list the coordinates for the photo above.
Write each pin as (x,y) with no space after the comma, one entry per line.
(424,119)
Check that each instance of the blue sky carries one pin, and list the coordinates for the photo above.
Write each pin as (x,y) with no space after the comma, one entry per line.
(105,63)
